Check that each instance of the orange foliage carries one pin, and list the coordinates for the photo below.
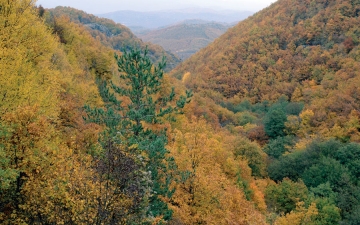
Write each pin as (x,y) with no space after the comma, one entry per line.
(305,50)
(208,192)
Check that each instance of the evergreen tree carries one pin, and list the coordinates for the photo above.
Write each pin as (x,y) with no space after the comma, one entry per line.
(274,123)
(129,124)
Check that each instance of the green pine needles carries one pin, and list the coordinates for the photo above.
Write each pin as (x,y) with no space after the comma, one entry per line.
(128,124)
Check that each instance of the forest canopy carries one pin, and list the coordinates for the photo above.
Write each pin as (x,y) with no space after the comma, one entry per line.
(260,127)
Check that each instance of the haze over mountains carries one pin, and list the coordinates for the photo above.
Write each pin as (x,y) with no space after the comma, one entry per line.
(182,31)
(158,19)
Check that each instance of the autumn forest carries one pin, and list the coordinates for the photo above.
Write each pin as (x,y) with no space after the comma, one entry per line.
(262,126)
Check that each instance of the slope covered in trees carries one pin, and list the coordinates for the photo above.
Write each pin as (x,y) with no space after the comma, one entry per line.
(185,38)
(305,50)
(113,34)
(86,138)
(89,139)
(46,174)
(287,78)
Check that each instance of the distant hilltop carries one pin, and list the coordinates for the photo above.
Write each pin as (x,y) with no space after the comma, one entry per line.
(185,38)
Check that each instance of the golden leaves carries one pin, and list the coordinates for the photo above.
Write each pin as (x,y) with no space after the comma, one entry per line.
(299,216)
(209,193)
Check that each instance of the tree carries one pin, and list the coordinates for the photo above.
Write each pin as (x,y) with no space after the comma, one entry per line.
(300,215)
(276,147)
(283,197)
(135,113)
(274,122)
(326,170)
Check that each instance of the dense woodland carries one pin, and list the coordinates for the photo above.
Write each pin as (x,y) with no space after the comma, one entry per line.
(260,127)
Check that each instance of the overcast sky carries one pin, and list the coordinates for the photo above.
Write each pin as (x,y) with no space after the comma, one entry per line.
(104,6)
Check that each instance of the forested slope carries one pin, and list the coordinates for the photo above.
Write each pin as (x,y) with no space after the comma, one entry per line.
(113,34)
(305,50)
(78,147)
(46,174)
(86,138)
(287,78)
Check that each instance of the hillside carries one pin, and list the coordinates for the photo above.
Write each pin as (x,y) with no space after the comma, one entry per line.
(185,38)
(87,138)
(287,78)
(304,52)
(113,34)
(269,135)
(157,19)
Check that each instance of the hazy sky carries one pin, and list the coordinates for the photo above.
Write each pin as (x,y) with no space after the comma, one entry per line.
(103,6)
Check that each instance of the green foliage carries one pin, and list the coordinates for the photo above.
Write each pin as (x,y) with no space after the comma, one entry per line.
(274,123)
(130,124)
(326,170)
(324,190)
(142,83)
(294,108)
(293,165)
(348,201)
(282,197)
(7,174)
(329,169)
(244,185)
(354,217)
(290,166)
(245,118)
(349,156)
(328,213)
(277,147)
(325,199)
(253,153)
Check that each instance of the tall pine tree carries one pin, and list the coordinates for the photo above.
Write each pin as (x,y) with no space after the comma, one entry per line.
(130,122)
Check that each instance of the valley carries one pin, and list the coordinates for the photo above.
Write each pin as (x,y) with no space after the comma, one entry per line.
(181,121)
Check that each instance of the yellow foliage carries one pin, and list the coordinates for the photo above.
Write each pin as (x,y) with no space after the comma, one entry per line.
(292,124)
(297,95)
(302,144)
(54,183)
(81,60)
(43,86)
(305,125)
(186,77)
(353,126)
(27,76)
(336,131)
(299,216)
(258,196)
(209,194)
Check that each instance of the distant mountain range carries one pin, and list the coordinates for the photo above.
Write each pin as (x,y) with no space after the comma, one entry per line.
(185,38)
(156,19)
